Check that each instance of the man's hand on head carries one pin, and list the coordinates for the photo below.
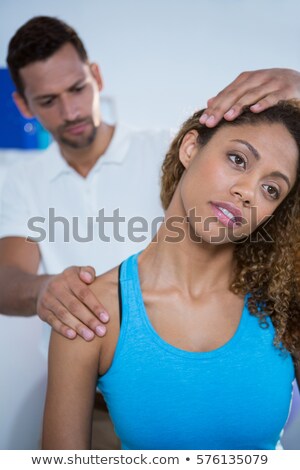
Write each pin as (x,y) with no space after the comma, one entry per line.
(66,302)
(259,89)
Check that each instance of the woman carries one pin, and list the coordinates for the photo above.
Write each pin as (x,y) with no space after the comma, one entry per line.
(210,316)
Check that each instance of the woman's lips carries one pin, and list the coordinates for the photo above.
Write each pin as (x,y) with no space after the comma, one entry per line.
(228,214)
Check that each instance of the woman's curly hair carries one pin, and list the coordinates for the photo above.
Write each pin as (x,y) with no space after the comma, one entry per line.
(269,271)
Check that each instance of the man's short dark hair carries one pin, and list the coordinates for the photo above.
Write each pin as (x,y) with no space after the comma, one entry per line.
(38,39)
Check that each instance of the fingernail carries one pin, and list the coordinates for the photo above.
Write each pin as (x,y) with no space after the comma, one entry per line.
(104,316)
(229,113)
(71,334)
(87,276)
(203,118)
(100,330)
(210,120)
(255,107)
(88,335)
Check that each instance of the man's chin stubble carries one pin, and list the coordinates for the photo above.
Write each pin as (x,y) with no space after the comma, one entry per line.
(79,144)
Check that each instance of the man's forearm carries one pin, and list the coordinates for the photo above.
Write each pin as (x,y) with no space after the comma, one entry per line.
(19,291)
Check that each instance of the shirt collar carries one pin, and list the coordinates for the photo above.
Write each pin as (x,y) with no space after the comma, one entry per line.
(57,164)
(117,149)
(115,154)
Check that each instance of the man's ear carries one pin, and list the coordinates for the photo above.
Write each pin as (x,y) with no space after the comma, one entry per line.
(22,105)
(95,70)
(188,148)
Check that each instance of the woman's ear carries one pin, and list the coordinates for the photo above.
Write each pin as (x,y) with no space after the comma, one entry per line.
(188,148)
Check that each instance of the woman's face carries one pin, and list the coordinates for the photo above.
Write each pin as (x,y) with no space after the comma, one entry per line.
(236,181)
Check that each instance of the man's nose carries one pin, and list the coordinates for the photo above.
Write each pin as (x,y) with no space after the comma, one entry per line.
(68,108)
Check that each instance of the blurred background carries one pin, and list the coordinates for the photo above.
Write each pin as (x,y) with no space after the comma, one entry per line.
(160,60)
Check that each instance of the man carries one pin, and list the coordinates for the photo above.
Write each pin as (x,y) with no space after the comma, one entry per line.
(62,90)
(72,201)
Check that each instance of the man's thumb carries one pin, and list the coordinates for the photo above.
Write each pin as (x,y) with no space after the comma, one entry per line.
(87,274)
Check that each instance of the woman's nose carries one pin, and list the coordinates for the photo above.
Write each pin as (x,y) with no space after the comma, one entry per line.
(245,191)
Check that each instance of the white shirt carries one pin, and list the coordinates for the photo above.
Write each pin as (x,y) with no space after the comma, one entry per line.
(126,179)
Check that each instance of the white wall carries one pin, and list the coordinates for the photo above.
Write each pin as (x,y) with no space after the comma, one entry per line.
(160,60)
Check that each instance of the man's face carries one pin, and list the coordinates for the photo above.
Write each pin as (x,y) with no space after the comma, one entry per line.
(62,92)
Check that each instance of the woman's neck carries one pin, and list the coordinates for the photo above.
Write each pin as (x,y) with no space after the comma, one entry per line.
(176,257)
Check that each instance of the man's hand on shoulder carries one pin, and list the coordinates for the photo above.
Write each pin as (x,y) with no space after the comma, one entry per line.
(259,89)
(67,303)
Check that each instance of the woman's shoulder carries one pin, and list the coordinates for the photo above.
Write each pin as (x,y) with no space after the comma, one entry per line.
(105,288)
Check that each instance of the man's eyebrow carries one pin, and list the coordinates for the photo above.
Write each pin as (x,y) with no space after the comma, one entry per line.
(43,97)
(257,157)
(53,95)
(249,146)
(77,83)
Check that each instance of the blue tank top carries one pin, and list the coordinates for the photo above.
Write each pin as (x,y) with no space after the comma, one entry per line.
(160,397)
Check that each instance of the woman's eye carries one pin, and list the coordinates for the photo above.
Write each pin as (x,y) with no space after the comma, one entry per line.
(238,160)
(272,191)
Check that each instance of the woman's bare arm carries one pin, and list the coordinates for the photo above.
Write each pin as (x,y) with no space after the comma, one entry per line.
(74,366)
(72,376)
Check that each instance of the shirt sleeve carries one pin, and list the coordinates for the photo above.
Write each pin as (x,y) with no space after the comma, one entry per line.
(14,204)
